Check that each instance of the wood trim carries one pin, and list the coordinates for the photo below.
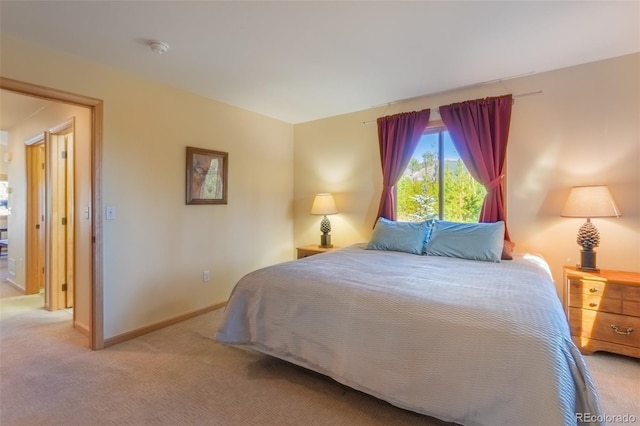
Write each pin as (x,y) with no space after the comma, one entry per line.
(97,300)
(64,127)
(96,327)
(81,328)
(158,325)
(46,93)
(35,139)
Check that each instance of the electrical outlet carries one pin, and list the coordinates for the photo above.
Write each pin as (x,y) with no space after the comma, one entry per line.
(206,276)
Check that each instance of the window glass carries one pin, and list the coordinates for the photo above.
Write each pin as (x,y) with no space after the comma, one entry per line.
(437,185)
(4,198)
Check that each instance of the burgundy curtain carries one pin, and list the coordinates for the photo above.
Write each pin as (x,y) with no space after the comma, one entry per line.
(479,130)
(398,136)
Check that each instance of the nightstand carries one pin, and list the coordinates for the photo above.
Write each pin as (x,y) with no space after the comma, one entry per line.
(312,249)
(603,309)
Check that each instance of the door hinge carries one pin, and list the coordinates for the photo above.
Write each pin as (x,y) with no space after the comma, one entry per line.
(64,287)
(63,155)
(37,226)
(64,220)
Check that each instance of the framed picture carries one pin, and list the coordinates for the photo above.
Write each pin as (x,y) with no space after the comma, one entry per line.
(207,173)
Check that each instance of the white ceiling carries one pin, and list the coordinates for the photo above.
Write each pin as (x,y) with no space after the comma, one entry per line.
(15,108)
(303,60)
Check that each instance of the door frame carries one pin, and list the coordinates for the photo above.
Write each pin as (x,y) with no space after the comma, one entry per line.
(96,326)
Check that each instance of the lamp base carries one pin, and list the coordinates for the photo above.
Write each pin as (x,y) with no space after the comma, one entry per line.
(325,241)
(588,261)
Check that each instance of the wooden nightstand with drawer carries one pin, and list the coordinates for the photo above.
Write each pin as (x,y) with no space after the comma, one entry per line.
(312,249)
(603,310)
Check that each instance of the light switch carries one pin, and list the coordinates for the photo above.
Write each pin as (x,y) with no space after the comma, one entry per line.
(110,213)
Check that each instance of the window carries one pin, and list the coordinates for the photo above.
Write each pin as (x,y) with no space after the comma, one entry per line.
(4,196)
(436,183)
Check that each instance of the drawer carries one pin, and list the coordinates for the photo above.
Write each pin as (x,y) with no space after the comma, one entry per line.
(630,307)
(596,303)
(596,288)
(631,293)
(607,327)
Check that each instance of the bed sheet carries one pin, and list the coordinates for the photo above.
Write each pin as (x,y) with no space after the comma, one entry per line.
(476,343)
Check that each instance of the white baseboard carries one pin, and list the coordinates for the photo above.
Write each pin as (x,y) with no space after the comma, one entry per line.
(15,284)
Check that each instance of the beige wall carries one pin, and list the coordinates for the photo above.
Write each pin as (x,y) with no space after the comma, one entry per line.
(583,129)
(157,248)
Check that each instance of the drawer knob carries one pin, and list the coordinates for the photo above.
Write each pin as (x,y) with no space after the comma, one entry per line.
(614,327)
(593,290)
(593,305)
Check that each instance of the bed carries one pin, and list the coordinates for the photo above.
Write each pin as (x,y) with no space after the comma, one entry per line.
(465,341)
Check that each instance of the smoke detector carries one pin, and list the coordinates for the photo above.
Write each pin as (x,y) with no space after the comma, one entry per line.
(158,47)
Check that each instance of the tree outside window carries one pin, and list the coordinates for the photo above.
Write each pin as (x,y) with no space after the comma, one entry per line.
(437,185)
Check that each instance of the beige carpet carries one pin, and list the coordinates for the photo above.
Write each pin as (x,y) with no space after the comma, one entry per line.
(6,289)
(180,376)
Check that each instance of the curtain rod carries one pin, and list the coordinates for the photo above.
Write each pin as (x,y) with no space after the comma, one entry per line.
(522,95)
(455,89)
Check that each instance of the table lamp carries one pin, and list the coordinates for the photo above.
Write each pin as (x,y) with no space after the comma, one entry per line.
(589,202)
(323,204)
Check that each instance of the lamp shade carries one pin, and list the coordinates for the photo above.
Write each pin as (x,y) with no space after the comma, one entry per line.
(589,202)
(324,204)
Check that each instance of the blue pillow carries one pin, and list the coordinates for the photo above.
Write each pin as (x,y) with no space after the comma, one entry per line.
(408,237)
(473,241)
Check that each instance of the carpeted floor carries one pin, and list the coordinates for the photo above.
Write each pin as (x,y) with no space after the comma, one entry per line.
(180,376)
(6,289)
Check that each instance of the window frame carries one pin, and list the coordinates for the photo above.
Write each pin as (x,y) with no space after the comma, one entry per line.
(437,126)
(4,213)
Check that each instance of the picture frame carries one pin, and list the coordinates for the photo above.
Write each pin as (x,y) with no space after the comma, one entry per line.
(207,176)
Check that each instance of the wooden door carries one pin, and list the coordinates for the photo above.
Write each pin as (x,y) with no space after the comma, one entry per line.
(61,223)
(35,217)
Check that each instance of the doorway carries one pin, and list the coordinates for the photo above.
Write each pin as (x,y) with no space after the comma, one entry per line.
(93,212)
